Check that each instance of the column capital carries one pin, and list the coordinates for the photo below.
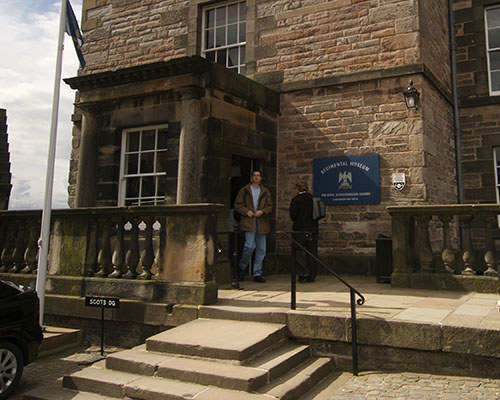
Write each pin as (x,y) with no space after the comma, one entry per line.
(88,108)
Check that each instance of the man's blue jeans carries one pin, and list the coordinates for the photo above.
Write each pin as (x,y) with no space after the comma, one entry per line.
(254,240)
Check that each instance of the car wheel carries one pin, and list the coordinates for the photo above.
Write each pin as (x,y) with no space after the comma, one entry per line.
(11,368)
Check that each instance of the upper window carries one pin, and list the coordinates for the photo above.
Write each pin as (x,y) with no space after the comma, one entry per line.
(224,31)
(492,19)
(143,166)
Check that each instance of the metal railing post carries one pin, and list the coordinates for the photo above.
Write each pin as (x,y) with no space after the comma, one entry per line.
(293,272)
(354,334)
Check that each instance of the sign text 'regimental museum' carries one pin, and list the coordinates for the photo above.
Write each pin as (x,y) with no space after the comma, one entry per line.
(348,180)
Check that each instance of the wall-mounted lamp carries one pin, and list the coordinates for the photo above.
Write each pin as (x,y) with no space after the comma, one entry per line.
(411,96)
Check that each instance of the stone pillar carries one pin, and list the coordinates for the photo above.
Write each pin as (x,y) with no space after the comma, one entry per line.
(189,175)
(86,181)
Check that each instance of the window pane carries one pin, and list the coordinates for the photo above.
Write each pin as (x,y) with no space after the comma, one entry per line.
(495,81)
(497,157)
(148,140)
(493,17)
(242,32)
(233,57)
(242,55)
(210,18)
(209,39)
(162,139)
(494,38)
(232,34)
(221,37)
(147,162)
(148,186)
(220,16)
(243,70)
(161,161)
(132,187)
(495,60)
(133,141)
(232,13)
(221,57)
(243,11)
(210,56)
(131,164)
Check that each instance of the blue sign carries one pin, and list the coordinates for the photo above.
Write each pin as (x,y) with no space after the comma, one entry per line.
(348,180)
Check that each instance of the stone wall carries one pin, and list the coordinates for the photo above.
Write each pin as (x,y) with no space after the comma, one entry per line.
(479,117)
(124,33)
(314,39)
(481,134)
(434,39)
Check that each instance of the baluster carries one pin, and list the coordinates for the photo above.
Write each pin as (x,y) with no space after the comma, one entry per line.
(6,256)
(104,257)
(118,255)
(490,255)
(424,244)
(18,255)
(147,254)
(448,256)
(91,259)
(30,256)
(468,256)
(132,256)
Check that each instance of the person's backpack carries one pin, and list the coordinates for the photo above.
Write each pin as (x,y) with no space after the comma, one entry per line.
(319,209)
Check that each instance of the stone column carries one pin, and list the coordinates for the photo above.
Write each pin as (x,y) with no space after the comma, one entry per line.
(87,163)
(189,175)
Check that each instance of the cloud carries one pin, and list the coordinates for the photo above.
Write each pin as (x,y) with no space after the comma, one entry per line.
(28,39)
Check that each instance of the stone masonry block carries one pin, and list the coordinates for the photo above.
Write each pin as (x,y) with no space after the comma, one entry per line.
(317,326)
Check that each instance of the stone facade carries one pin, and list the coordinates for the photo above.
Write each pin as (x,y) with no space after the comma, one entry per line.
(340,68)
(5,175)
(479,116)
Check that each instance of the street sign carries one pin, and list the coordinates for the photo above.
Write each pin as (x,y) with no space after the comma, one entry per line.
(107,302)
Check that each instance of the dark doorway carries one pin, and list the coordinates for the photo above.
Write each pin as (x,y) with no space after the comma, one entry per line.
(241,174)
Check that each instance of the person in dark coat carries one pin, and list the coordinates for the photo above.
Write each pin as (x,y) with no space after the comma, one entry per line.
(255,205)
(301,211)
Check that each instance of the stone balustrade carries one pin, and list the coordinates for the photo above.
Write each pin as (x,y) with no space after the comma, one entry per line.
(439,246)
(168,251)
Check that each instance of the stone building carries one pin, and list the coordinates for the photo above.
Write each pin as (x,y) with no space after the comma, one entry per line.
(5,175)
(317,80)
(477,26)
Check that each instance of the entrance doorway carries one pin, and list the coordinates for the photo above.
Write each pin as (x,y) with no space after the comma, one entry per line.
(241,175)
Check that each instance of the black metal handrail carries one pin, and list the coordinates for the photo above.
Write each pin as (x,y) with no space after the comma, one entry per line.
(353,292)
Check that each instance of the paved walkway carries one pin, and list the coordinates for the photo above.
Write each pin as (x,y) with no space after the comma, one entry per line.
(477,310)
(326,295)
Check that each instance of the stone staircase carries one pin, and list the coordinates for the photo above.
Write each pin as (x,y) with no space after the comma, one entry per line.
(202,359)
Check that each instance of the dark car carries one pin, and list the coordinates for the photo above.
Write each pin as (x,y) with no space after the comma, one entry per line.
(20,333)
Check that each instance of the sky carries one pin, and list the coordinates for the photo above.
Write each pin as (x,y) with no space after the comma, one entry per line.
(28,47)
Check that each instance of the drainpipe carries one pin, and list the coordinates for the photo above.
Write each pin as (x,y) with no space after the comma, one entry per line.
(458,132)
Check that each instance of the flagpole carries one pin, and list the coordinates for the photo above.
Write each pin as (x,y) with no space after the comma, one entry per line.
(41,275)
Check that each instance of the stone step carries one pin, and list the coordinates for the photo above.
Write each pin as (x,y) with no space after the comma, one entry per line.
(208,372)
(59,393)
(300,380)
(57,339)
(124,385)
(218,339)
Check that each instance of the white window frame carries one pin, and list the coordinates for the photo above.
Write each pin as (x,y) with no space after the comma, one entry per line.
(241,66)
(123,176)
(489,50)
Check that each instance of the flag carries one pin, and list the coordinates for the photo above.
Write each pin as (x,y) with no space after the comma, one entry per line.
(73,30)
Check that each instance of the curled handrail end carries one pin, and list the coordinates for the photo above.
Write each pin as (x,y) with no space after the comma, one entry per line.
(361,300)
